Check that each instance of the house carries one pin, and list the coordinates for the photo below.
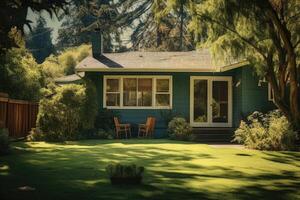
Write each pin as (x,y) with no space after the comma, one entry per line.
(187,84)
(73,78)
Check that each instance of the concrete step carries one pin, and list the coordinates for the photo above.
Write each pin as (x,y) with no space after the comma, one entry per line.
(213,135)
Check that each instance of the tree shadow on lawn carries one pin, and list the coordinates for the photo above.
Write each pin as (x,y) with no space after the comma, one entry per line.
(290,158)
(78,173)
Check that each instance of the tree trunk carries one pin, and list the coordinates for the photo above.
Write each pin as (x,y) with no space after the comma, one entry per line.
(285,36)
(181,26)
(294,96)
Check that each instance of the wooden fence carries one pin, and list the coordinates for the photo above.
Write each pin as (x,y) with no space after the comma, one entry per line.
(18,116)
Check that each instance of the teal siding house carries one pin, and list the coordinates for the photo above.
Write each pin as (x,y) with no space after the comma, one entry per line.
(186,84)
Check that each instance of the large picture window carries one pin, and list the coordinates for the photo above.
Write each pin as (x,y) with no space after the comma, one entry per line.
(138,92)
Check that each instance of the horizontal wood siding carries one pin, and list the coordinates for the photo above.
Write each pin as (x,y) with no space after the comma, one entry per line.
(254,97)
(244,96)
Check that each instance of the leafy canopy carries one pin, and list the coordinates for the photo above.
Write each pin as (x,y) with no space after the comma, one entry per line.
(265,32)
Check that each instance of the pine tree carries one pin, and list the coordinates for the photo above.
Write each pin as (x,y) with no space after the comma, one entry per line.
(14,15)
(88,16)
(39,41)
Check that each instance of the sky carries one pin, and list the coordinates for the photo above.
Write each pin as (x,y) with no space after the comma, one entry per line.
(53,22)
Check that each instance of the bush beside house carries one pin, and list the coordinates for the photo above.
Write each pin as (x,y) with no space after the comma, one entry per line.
(65,112)
(179,128)
(270,131)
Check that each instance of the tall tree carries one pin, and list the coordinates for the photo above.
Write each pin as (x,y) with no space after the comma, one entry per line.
(158,27)
(89,15)
(39,41)
(266,32)
(20,75)
(14,15)
(180,9)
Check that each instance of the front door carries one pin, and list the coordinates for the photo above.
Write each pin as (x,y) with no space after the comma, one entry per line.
(211,101)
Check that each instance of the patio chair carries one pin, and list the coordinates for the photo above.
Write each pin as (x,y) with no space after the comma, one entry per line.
(147,129)
(121,128)
(152,126)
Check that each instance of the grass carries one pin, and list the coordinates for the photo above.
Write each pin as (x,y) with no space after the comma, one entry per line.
(174,170)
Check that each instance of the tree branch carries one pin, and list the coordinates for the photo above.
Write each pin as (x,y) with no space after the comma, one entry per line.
(236,33)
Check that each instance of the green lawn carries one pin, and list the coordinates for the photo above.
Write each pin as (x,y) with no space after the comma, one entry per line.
(174,170)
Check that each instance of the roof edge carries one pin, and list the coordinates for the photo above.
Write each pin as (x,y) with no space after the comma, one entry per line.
(234,66)
(86,69)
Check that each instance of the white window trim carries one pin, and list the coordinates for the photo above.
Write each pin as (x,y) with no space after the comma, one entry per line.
(121,78)
(270,98)
(209,123)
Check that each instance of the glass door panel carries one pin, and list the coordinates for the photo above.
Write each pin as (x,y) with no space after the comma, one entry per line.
(219,102)
(200,101)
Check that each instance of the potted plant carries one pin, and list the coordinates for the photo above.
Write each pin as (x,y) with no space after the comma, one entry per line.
(125,174)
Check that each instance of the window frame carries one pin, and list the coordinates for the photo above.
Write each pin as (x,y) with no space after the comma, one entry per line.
(154,92)
(107,92)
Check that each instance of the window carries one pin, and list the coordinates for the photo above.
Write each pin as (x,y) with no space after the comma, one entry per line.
(113,92)
(162,92)
(144,92)
(270,93)
(131,92)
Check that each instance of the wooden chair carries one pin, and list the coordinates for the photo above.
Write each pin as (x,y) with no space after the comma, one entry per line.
(152,126)
(147,128)
(125,128)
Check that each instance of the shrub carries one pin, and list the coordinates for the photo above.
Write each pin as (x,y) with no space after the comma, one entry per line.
(35,135)
(104,134)
(67,110)
(69,63)
(20,75)
(97,134)
(123,174)
(168,115)
(104,119)
(4,141)
(178,128)
(270,131)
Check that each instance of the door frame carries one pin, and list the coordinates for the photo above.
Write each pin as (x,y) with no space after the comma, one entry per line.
(210,80)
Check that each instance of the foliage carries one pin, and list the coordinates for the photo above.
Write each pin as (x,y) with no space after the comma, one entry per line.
(64,63)
(39,41)
(14,15)
(178,128)
(124,171)
(161,25)
(265,32)
(51,69)
(98,134)
(65,111)
(35,135)
(89,110)
(168,115)
(4,141)
(104,119)
(20,75)
(69,65)
(70,57)
(86,17)
(269,131)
